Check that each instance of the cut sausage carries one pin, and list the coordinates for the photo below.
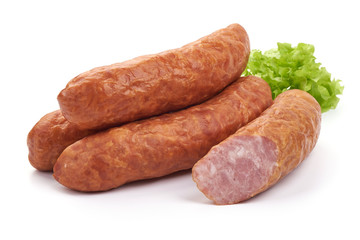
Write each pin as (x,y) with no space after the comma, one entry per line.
(154,84)
(261,153)
(160,145)
(49,137)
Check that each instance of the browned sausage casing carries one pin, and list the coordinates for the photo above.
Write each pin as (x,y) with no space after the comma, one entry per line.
(160,145)
(261,153)
(154,84)
(49,137)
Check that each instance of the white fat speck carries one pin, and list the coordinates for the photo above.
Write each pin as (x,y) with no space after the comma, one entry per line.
(240,152)
(256,160)
(259,142)
(212,169)
(232,156)
(65,165)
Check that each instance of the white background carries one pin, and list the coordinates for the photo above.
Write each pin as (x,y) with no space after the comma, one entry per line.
(46,43)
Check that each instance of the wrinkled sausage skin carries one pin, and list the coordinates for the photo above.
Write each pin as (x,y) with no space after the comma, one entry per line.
(153,84)
(49,137)
(261,153)
(163,144)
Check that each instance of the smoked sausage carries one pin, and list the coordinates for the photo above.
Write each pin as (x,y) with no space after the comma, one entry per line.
(154,84)
(261,153)
(163,144)
(49,137)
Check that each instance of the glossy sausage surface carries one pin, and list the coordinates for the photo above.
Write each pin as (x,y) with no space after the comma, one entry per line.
(154,84)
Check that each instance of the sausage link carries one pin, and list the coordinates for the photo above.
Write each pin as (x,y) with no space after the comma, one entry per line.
(160,145)
(153,84)
(261,153)
(49,137)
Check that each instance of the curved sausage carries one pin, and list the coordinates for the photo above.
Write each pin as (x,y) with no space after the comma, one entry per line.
(49,137)
(150,85)
(261,153)
(160,145)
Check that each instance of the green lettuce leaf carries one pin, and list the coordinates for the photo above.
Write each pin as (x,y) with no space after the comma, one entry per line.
(290,67)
